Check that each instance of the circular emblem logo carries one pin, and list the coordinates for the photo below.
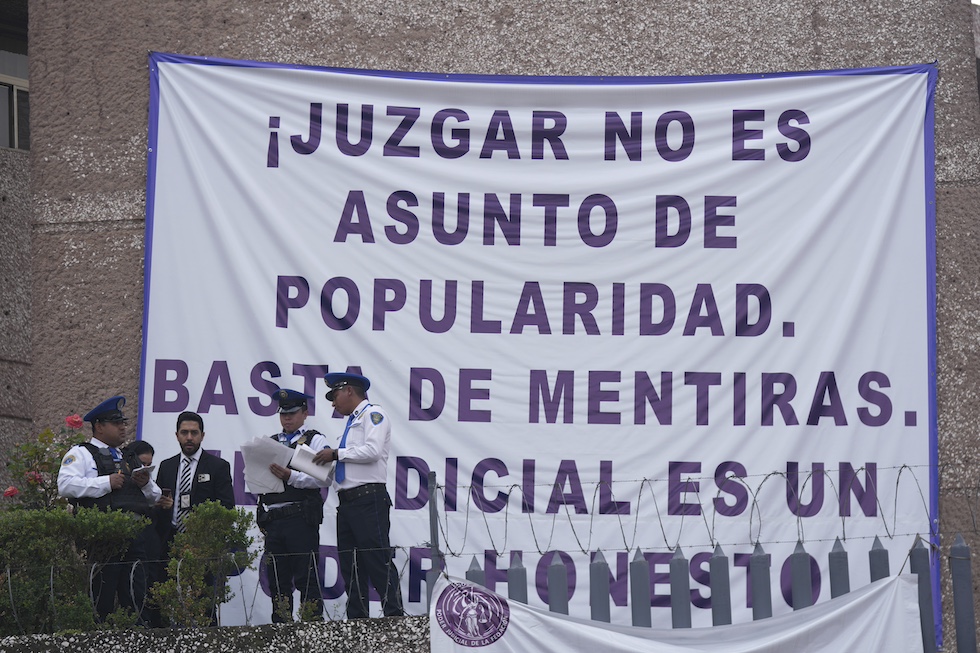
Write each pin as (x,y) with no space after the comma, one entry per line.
(471,616)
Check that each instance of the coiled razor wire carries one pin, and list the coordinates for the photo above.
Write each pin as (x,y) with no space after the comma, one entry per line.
(627,527)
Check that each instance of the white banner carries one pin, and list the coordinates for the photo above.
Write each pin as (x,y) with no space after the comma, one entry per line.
(609,313)
(883,616)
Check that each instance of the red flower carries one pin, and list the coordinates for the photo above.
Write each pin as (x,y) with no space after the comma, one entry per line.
(74,421)
(34,478)
(11,492)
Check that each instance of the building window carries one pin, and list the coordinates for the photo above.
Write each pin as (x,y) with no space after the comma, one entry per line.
(15,131)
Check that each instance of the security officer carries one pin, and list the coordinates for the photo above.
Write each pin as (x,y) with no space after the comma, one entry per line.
(291,519)
(96,474)
(363,516)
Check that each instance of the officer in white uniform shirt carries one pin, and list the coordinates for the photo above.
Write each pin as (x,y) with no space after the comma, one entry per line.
(363,516)
(95,474)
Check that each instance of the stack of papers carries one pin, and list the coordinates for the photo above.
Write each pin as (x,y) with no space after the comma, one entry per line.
(262,451)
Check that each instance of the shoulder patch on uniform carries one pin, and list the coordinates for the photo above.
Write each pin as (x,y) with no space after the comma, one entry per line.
(377,418)
(68,460)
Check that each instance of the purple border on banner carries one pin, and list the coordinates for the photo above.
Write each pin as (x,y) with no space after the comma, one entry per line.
(929,147)
(151,176)
(162,57)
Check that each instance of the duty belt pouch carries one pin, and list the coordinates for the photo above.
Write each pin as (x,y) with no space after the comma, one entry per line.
(261,517)
(313,512)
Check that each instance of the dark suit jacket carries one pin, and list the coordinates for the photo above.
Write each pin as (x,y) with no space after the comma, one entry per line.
(218,488)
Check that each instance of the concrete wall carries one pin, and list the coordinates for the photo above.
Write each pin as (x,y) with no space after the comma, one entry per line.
(15,293)
(89,97)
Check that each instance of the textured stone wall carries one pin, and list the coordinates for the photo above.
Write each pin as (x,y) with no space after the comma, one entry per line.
(89,97)
(15,292)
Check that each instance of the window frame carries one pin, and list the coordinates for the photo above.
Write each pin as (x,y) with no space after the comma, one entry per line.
(17,84)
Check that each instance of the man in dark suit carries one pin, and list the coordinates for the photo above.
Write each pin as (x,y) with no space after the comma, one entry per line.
(210,476)
(191,477)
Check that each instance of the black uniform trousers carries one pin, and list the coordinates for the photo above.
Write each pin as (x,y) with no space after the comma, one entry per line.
(292,547)
(365,553)
(125,578)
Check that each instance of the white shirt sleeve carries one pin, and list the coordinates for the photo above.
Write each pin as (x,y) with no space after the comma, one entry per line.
(78,477)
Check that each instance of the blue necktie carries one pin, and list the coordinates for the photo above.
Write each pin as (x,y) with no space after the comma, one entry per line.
(115,453)
(339,474)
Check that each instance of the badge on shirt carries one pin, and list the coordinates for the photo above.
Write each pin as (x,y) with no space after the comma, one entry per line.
(203,478)
(377,418)
(68,460)
(185,502)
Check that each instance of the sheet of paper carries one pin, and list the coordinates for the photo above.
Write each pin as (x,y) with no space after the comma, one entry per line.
(303,461)
(258,453)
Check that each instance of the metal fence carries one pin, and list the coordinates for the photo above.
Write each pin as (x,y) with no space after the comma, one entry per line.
(802,594)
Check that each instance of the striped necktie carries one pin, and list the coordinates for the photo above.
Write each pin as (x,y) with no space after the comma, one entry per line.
(184,489)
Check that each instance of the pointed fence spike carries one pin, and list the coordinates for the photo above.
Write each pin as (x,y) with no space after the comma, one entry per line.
(721,588)
(517,579)
(800,578)
(840,578)
(599,583)
(639,575)
(557,585)
(963,612)
(878,561)
(475,573)
(919,565)
(761,584)
(680,590)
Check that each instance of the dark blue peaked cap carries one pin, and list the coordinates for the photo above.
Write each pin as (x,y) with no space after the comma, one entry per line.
(109,410)
(290,400)
(337,380)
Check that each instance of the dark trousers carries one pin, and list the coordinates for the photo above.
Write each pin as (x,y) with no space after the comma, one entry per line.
(365,554)
(124,578)
(292,547)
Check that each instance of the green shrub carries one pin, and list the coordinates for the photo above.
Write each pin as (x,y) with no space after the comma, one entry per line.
(45,565)
(215,543)
(47,550)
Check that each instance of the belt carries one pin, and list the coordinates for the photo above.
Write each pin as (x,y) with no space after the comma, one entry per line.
(284,511)
(361,491)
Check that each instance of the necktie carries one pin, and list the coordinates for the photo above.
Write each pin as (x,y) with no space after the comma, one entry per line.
(340,473)
(116,457)
(184,489)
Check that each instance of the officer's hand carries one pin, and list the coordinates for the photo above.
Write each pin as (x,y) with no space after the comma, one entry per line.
(280,472)
(116,481)
(141,478)
(165,502)
(323,456)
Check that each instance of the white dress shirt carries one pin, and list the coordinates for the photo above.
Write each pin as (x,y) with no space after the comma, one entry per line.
(365,454)
(78,477)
